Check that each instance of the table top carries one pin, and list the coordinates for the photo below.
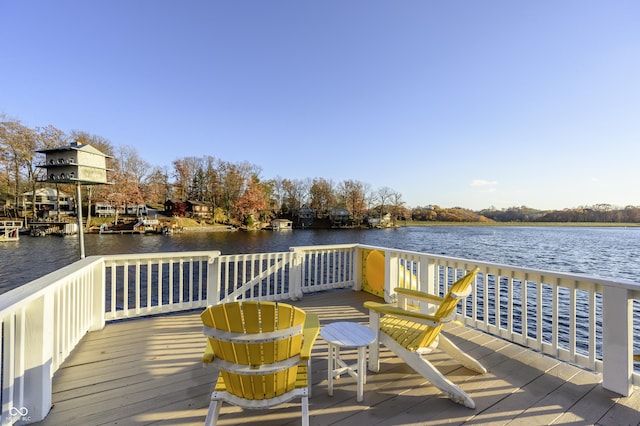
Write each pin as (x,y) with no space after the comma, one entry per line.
(348,334)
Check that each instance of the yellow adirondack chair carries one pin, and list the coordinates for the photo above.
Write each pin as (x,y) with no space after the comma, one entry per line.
(261,354)
(411,329)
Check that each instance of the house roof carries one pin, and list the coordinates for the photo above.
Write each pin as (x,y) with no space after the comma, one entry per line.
(197,203)
(74,146)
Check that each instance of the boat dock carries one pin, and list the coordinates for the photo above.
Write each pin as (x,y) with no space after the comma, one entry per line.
(42,229)
(10,230)
(548,364)
(148,371)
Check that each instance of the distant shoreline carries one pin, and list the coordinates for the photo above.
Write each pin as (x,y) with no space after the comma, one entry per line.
(568,224)
(401,224)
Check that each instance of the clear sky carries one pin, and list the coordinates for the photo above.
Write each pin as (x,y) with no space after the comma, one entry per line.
(455,103)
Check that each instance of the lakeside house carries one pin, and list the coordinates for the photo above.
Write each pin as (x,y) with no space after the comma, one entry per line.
(377,222)
(339,217)
(189,208)
(305,216)
(47,199)
(106,209)
(198,209)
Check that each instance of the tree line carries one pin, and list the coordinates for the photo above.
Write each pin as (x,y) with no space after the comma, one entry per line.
(598,213)
(236,192)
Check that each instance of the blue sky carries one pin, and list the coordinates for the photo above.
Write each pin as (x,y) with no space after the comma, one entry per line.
(455,103)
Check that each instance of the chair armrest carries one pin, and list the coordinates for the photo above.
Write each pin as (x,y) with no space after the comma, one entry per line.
(415,294)
(399,312)
(310,332)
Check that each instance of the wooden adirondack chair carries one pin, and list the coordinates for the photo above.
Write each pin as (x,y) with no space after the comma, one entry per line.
(261,353)
(410,332)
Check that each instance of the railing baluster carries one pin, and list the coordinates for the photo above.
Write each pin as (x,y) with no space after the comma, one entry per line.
(180,284)
(485,302)
(573,346)
(592,349)
(555,318)
(539,313)
(510,286)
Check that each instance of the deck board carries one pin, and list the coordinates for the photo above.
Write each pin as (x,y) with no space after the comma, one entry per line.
(148,371)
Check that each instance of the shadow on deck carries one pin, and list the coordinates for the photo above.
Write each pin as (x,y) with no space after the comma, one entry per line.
(148,371)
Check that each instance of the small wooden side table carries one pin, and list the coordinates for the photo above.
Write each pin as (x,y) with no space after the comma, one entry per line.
(347,334)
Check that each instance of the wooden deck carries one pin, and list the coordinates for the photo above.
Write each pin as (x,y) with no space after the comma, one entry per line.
(148,371)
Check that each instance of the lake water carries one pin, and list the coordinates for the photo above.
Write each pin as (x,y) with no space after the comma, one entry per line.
(605,252)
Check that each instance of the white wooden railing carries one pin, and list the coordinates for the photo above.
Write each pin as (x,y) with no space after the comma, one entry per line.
(584,320)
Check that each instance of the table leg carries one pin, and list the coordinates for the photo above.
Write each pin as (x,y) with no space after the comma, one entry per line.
(331,368)
(362,371)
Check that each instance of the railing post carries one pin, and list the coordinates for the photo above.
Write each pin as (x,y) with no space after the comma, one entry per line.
(390,270)
(617,340)
(38,357)
(427,279)
(357,268)
(98,303)
(295,274)
(213,279)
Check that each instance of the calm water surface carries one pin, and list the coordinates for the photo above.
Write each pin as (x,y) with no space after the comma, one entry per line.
(605,252)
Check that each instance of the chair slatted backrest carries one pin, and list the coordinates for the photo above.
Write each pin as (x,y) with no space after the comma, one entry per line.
(458,290)
(256,346)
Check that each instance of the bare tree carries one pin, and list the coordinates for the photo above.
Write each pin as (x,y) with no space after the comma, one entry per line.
(132,170)
(278,193)
(234,179)
(383,197)
(157,186)
(44,138)
(17,144)
(103,145)
(322,194)
(295,193)
(397,207)
(354,195)
(184,172)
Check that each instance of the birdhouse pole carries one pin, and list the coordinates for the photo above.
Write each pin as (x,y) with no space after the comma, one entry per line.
(79,214)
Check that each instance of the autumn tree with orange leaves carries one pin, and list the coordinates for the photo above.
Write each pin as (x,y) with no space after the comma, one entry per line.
(251,203)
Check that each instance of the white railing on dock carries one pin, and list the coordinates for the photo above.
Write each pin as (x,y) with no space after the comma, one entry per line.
(584,320)
(149,284)
(42,322)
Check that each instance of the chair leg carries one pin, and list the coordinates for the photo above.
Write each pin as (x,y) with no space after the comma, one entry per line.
(305,410)
(429,372)
(212,414)
(456,353)
(374,348)
(309,376)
